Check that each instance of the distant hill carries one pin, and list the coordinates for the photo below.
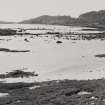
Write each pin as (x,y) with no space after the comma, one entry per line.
(5,22)
(52,20)
(93,18)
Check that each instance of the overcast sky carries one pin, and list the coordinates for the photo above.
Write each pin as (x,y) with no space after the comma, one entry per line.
(16,10)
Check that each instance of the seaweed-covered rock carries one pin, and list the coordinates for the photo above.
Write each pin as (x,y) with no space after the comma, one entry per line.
(7,32)
(58,42)
(18,73)
(26,40)
(100,55)
(13,51)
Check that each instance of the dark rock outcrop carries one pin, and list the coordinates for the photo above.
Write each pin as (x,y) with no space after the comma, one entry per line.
(17,73)
(59,42)
(13,51)
(7,32)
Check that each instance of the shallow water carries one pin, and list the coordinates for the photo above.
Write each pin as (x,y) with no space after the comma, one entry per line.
(68,60)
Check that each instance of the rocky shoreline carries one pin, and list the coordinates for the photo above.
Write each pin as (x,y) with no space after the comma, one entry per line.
(55,34)
(66,92)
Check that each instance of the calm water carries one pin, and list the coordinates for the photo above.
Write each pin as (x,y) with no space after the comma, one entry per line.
(68,60)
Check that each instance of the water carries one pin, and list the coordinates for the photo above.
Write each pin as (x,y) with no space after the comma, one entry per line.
(68,60)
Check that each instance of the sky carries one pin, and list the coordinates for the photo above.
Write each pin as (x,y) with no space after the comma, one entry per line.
(17,10)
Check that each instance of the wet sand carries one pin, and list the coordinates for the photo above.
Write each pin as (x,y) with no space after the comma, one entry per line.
(54,59)
(51,57)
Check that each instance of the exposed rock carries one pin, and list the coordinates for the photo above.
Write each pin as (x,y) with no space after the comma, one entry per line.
(7,32)
(26,40)
(18,73)
(100,55)
(14,51)
(59,42)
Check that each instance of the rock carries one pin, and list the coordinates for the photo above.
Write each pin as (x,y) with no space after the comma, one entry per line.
(59,42)
(18,73)
(26,40)
(14,51)
(100,55)
(7,32)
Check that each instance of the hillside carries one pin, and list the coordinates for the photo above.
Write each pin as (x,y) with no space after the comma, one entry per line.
(5,22)
(93,18)
(60,20)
